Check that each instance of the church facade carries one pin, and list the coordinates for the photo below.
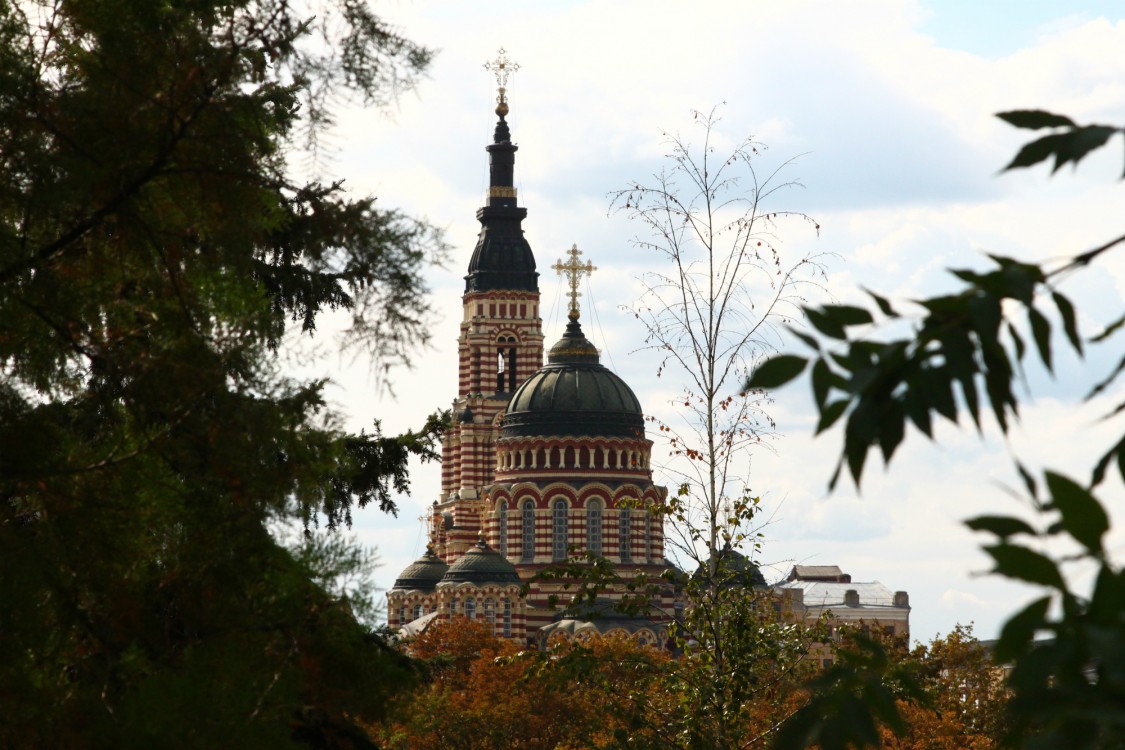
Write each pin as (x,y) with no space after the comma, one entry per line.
(544,463)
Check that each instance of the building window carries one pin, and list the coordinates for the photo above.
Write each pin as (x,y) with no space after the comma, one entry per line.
(490,613)
(417,611)
(502,511)
(625,533)
(527,553)
(402,615)
(648,536)
(507,618)
(594,526)
(470,607)
(558,537)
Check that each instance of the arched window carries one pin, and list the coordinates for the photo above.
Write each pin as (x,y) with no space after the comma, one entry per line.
(594,525)
(417,611)
(625,533)
(453,606)
(558,537)
(648,535)
(402,615)
(507,618)
(527,552)
(490,614)
(502,512)
(470,607)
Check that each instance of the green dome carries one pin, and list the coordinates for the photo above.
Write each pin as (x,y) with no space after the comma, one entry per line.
(734,569)
(481,564)
(574,394)
(422,574)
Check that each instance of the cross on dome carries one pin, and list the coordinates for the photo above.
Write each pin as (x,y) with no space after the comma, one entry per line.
(573,271)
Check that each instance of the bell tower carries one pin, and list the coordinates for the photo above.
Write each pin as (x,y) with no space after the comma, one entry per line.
(500,343)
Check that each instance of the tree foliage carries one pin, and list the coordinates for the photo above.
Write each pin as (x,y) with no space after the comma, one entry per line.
(154,251)
(1067,690)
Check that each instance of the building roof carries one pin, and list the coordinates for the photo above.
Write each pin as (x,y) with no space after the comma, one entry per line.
(734,569)
(423,574)
(481,564)
(574,394)
(502,258)
(818,573)
(831,595)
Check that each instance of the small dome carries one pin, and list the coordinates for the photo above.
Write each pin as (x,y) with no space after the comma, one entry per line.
(422,574)
(481,564)
(574,394)
(734,569)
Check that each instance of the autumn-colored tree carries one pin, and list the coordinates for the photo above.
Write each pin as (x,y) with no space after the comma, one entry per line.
(485,693)
(964,697)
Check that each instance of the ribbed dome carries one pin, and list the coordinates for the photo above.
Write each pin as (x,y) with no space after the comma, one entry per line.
(481,564)
(422,574)
(574,394)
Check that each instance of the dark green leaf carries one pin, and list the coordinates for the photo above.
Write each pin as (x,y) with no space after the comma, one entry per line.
(1111,329)
(1070,324)
(1118,452)
(829,414)
(1041,331)
(1020,629)
(1025,564)
(857,438)
(1108,380)
(826,324)
(1034,119)
(892,426)
(884,305)
(808,340)
(1083,516)
(821,382)
(847,315)
(1081,141)
(776,371)
(938,385)
(1001,526)
(918,408)
(1017,341)
(1036,151)
(1028,482)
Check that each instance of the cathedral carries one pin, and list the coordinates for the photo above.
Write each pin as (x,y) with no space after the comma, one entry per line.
(543,463)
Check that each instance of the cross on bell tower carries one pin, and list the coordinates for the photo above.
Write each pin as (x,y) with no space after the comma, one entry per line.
(501,67)
(573,271)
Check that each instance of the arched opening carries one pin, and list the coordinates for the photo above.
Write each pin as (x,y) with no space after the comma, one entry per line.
(558,536)
(594,526)
(527,547)
(625,533)
(502,520)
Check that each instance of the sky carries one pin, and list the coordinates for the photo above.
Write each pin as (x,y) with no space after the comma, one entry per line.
(885,109)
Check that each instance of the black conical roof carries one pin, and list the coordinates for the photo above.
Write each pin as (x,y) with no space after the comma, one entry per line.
(502,258)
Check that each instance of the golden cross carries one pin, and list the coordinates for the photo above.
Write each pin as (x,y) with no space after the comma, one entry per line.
(501,67)
(573,270)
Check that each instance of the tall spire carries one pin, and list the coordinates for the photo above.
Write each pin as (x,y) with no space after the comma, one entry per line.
(502,258)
